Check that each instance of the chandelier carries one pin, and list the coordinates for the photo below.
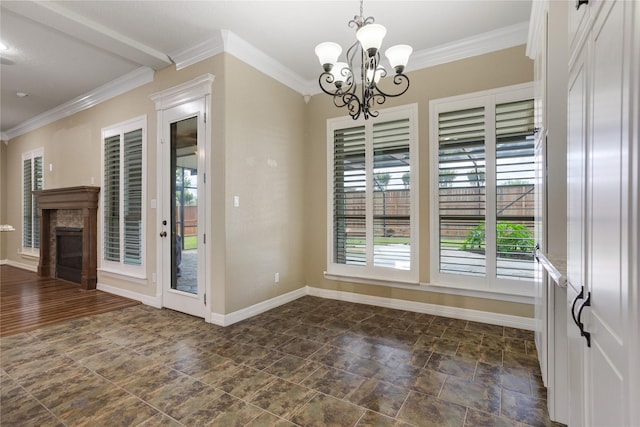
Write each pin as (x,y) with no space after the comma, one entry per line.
(338,79)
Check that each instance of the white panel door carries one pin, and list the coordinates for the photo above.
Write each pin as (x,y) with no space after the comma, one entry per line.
(576,176)
(607,228)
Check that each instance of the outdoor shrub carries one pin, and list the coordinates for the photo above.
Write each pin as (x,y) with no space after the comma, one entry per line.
(511,240)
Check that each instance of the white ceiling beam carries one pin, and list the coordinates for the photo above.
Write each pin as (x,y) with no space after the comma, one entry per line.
(55,16)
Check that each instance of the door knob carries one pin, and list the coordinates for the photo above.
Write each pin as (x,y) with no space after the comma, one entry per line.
(163,234)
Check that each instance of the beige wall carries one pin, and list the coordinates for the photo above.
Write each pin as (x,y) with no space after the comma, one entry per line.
(269,149)
(73,147)
(256,153)
(3,198)
(497,69)
(264,168)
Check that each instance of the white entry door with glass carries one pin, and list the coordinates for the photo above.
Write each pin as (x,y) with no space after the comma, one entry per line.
(182,201)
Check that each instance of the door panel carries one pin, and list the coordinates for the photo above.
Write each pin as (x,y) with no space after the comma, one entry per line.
(576,220)
(607,367)
(182,210)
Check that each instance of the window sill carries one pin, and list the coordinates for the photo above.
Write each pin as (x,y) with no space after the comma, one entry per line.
(434,287)
(371,281)
(30,255)
(133,278)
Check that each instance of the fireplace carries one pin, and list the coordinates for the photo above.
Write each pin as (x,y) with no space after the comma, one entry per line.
(69,253)
(68,217)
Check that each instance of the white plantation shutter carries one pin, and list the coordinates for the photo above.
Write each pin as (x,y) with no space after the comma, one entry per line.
(373,197)
(133,197)
(462,190)
(349,184)
(485,165)
(391,199)
(515,176)
(32,179)
(27,204)
(111,197)
(38,182)
(123,195)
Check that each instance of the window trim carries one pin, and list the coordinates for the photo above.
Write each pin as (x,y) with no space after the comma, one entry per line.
(30,155)
(371,272)
(489,282)
(120,268)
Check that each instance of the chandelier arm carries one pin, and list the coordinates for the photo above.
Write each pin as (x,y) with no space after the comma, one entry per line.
(398,80)
(327,78)
(353,104)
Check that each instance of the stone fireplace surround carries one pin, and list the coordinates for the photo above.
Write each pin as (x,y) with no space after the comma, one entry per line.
(69,207)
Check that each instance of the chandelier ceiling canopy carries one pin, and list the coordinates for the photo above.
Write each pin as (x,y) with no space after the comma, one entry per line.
(339,79)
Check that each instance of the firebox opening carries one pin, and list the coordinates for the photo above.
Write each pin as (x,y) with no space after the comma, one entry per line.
(69,253)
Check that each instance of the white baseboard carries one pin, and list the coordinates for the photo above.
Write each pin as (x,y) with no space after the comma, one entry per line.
(153,301)
(261,307)
(3,261)
(421,307)
(17,264)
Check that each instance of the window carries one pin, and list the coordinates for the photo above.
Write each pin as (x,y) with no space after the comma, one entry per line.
(32,179)
(483,174)
(373,196)
(123,198)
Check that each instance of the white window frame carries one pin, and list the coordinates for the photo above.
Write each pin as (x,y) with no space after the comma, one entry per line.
(120,268)
(30,155)
(489,283)
(375,274)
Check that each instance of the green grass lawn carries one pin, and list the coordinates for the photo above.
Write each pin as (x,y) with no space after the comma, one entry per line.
(190,242)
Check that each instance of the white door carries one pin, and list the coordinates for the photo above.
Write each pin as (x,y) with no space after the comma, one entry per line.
(182,202)
(607,223)
(576,222)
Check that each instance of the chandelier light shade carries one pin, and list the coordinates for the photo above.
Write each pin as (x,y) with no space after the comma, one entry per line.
(328,53)
(398,56)
(370,37)
(357,88)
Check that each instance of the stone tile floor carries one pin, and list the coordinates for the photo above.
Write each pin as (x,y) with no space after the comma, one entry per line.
(311,362)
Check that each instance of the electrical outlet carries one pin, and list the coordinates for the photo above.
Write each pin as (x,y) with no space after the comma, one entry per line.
(276,278)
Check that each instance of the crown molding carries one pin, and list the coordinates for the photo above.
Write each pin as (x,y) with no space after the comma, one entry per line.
(502,38)
(229,42)
(130,81)
(253,56)
(536,28)
(198,52)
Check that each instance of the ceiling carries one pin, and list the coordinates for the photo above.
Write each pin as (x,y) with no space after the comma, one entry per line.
(60,50)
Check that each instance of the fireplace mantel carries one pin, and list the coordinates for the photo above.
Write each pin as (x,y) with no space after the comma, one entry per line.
(71,198)
(68,198)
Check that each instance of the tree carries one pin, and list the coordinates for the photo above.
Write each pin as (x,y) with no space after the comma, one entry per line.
(406,180)
(476,177)
(446,178)
(183,183)
(381,180)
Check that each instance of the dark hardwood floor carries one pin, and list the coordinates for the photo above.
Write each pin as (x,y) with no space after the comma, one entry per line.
(29,302)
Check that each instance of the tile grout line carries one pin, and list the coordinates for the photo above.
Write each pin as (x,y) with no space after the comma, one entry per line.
(36,399)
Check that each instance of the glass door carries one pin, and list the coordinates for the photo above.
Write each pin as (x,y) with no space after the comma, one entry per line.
(182,195)
(184,215)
